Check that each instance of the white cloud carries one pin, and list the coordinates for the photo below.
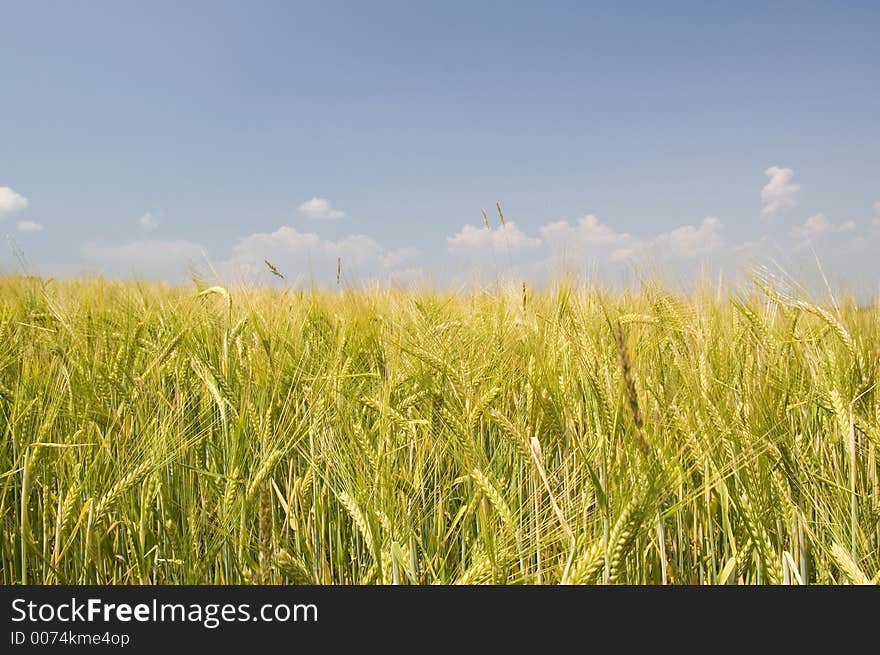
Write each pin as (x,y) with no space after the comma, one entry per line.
(149,221)
(288,242)
(818,224)
(320,209)
(691,241)
(150,257)
(586,232)
(590,238)
(11,201)
(760,247)
(507,236)
(404,277)
(581,242)
(396,258)
(685,242)
(780,193)
(875,221)
(308,254)
(29,226)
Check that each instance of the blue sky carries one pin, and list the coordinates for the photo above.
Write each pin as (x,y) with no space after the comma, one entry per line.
(134,137)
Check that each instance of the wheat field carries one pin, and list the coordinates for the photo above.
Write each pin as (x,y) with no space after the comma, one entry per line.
(502,435)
